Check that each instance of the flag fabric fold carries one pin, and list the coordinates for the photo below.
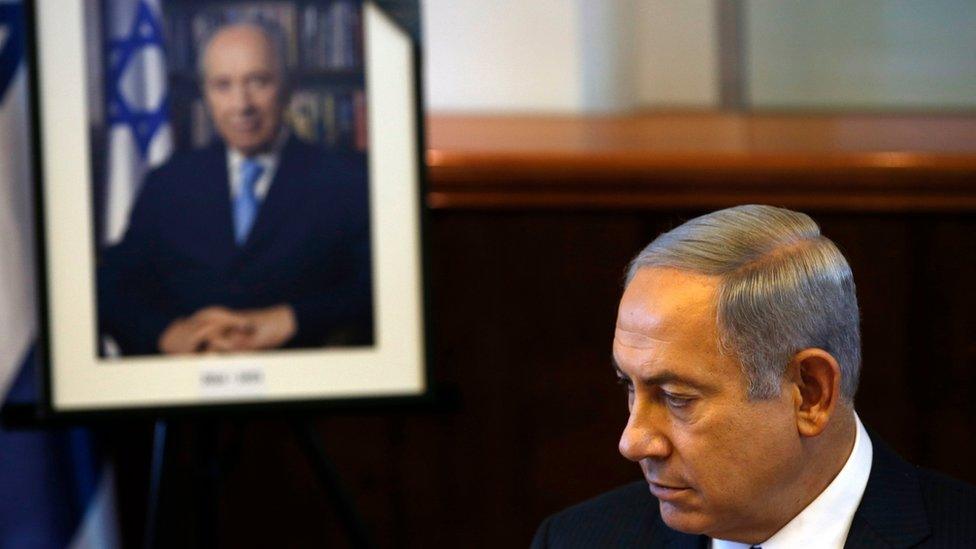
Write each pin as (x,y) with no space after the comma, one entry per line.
(57,491)
(137,113)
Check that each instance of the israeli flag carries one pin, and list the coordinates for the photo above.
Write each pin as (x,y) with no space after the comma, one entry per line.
(54,491)
(16,277)
(139,135)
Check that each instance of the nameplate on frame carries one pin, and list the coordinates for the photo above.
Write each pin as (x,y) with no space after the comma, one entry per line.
(232,382)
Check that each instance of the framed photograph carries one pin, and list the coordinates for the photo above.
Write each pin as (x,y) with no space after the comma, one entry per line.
(230,203)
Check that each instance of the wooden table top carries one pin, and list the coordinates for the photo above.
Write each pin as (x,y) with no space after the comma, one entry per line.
(869,162)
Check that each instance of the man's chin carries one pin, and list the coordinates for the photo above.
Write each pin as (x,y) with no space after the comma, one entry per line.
(249,143)
(681,518)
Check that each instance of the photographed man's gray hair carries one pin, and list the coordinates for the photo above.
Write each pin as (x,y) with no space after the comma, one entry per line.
(272,32)
(784,288)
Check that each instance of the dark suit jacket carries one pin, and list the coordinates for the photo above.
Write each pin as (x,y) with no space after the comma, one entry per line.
(309,247)
(903,506)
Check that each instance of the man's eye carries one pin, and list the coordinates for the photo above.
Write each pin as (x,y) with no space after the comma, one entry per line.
(678,402)
(626,383)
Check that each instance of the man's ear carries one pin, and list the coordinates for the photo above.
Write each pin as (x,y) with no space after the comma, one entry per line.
(815,376)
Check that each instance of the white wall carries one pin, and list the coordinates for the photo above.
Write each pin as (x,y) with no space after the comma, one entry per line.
(676,53)
(577,56)
(501,55)
(568,55)
(864,54)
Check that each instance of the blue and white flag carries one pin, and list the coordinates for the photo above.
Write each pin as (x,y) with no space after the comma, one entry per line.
(139,135)
(54,492)
(16,277)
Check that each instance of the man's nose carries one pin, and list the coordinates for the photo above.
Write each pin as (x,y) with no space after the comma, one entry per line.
(641,438)
(241,98)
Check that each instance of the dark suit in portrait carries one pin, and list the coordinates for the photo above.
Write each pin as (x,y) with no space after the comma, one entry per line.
(308,247)
(902,506)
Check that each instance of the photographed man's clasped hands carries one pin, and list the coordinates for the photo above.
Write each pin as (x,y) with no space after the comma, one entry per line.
(221,330)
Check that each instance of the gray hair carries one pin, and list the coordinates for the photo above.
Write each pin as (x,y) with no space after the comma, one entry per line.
(784,288)
(271,30)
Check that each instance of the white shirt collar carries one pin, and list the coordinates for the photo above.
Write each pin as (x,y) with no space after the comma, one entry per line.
(827,520)
(268,160)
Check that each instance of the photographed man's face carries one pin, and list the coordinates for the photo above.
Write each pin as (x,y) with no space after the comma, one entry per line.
(244,88)
(713,458)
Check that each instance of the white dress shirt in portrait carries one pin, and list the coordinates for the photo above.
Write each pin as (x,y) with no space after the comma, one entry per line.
(268,161)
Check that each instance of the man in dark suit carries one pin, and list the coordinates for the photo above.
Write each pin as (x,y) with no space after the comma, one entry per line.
(257,242)
(737,338)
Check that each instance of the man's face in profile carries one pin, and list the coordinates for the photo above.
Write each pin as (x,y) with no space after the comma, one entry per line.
(714,458)
(244,88)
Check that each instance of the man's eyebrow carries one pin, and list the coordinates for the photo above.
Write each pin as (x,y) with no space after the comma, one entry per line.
(667,376)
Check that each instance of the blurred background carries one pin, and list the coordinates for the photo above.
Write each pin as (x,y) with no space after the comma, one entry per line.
(580,56)
(563,135)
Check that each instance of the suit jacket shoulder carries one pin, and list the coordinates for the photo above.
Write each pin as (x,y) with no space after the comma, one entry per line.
(311,162)
(908,506)
(625,517)
(951,506)
(339,171)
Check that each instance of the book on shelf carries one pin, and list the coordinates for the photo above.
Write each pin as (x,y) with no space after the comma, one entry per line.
(334,118)
(331,36)
(361,138)
(323,36)
(201,128)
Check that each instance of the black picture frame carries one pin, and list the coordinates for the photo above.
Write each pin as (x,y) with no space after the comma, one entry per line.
(326,378)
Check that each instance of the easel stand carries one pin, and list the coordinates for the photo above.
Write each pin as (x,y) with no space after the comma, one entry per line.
(208,479)
(329,480)
(155,478)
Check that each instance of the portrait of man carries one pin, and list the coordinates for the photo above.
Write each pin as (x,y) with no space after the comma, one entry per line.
(738,341)
(257,241)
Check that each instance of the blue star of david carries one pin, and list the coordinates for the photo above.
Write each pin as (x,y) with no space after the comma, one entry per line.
(12,49)
(144,124)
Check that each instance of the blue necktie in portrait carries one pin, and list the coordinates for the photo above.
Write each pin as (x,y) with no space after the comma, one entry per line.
(246,203)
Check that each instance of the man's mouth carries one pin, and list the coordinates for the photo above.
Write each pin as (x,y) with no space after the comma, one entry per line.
(666,492)
(245,126)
